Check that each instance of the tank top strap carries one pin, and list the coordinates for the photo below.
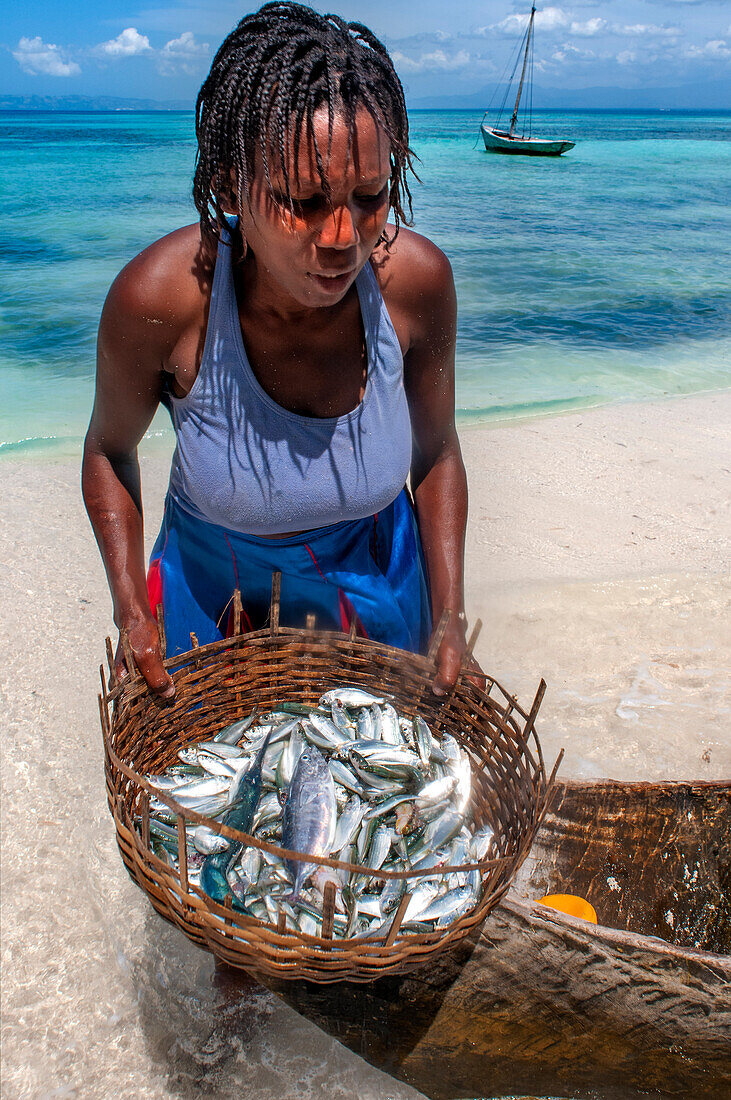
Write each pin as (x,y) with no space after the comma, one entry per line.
(384,349)
(223,294)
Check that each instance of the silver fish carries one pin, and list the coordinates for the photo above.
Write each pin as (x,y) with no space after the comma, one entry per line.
(380,809)
(368,774)
(349,823)
(442,829)
(323,733)
(423,896)
(343,775)
(380,847)
(342,719)
(349,697)
(206,841)
(290,755)
(435,792)
(217,765)
(309,814)
(461,902)
(377,719)
(231,735)
(424,739)
(366,725)
(480,842)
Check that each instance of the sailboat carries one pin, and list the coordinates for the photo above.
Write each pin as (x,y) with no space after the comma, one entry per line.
(506,141)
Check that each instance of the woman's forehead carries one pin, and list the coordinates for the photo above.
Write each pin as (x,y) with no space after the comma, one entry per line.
(362,151)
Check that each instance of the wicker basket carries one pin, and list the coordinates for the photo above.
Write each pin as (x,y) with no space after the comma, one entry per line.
(218,683)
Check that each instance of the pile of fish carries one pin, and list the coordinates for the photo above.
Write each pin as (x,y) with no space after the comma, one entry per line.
(349,779)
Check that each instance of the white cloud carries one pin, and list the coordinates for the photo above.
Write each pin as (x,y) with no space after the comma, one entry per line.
(649,30)
(185,46)
(567,52)
(717,48)
(548,19)
(182,54)
(38,57)
(429,62)
(626,57)
(127,44)
(589,28)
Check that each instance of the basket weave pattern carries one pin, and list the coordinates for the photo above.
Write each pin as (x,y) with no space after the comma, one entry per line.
(219,683)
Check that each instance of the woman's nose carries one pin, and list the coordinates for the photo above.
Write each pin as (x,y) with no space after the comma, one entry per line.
(338,229)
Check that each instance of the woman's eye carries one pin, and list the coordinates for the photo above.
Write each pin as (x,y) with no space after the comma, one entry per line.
(311,203)
(299,205)
(372,199)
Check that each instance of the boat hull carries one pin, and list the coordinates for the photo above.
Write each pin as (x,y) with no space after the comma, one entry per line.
(542,1003)
(498,142)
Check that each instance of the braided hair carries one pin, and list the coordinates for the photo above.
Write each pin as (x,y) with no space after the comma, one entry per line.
(267,80)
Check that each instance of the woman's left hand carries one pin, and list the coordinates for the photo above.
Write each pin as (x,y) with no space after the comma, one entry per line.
(449,661)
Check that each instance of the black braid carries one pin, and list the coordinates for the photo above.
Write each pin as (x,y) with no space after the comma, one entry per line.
(267,80)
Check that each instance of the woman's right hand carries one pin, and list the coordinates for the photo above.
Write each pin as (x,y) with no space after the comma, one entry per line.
(144,641)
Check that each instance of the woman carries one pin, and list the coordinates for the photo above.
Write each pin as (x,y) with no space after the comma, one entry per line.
(305,349)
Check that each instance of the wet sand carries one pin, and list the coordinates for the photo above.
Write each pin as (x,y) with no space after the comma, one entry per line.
(598,556)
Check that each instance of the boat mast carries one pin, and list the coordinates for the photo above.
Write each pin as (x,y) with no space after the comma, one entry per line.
(522,75)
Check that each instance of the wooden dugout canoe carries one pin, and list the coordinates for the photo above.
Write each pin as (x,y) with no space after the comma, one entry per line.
(542,1003)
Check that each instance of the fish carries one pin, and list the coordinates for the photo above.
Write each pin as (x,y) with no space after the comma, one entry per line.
(379,848)
(290,756)
(348,823)
(231,735)
(243,799)
(341,719)
(310,815)
(424,739)
(350,697)
(436,792)
(207,842)
(347,777)
(458,765)
(390,729)
(323,732)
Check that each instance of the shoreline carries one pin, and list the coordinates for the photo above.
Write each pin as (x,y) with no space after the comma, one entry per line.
(161,435)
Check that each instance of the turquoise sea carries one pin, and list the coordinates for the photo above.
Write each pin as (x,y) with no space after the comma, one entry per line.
(598,277)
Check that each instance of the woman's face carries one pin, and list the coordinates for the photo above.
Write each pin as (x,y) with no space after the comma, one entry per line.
(312,256)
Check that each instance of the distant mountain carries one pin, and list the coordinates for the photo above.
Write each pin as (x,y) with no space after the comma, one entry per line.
(88,103)
(712,95)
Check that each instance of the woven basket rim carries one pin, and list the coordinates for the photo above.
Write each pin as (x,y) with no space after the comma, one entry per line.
(294,953)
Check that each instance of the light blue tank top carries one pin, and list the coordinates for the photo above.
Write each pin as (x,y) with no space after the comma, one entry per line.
(245,463)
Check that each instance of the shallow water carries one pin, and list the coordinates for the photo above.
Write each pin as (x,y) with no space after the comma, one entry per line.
(582,280)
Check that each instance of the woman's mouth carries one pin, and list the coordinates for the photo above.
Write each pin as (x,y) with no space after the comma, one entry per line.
(335,283)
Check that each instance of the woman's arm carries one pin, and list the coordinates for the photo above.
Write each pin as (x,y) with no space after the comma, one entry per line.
(438,479)
(139,325)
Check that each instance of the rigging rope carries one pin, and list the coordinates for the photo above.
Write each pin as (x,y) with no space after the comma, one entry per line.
(513,59)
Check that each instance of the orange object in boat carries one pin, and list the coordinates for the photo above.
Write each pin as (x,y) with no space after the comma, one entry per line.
(569,903)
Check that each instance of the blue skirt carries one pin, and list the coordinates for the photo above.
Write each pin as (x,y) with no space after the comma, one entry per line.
(370,571)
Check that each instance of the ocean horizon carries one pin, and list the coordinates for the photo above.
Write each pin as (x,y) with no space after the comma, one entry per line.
(590,279)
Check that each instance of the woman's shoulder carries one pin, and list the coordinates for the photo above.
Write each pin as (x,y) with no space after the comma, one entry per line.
(167,284)
(416,281)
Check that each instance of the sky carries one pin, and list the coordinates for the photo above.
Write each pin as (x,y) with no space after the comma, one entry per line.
(440,47)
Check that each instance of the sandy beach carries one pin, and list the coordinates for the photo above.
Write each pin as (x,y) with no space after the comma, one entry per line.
(597,558)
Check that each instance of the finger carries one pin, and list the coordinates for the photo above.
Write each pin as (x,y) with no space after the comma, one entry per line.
(156,677)
(148,658)
(448,665)
(120,668)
